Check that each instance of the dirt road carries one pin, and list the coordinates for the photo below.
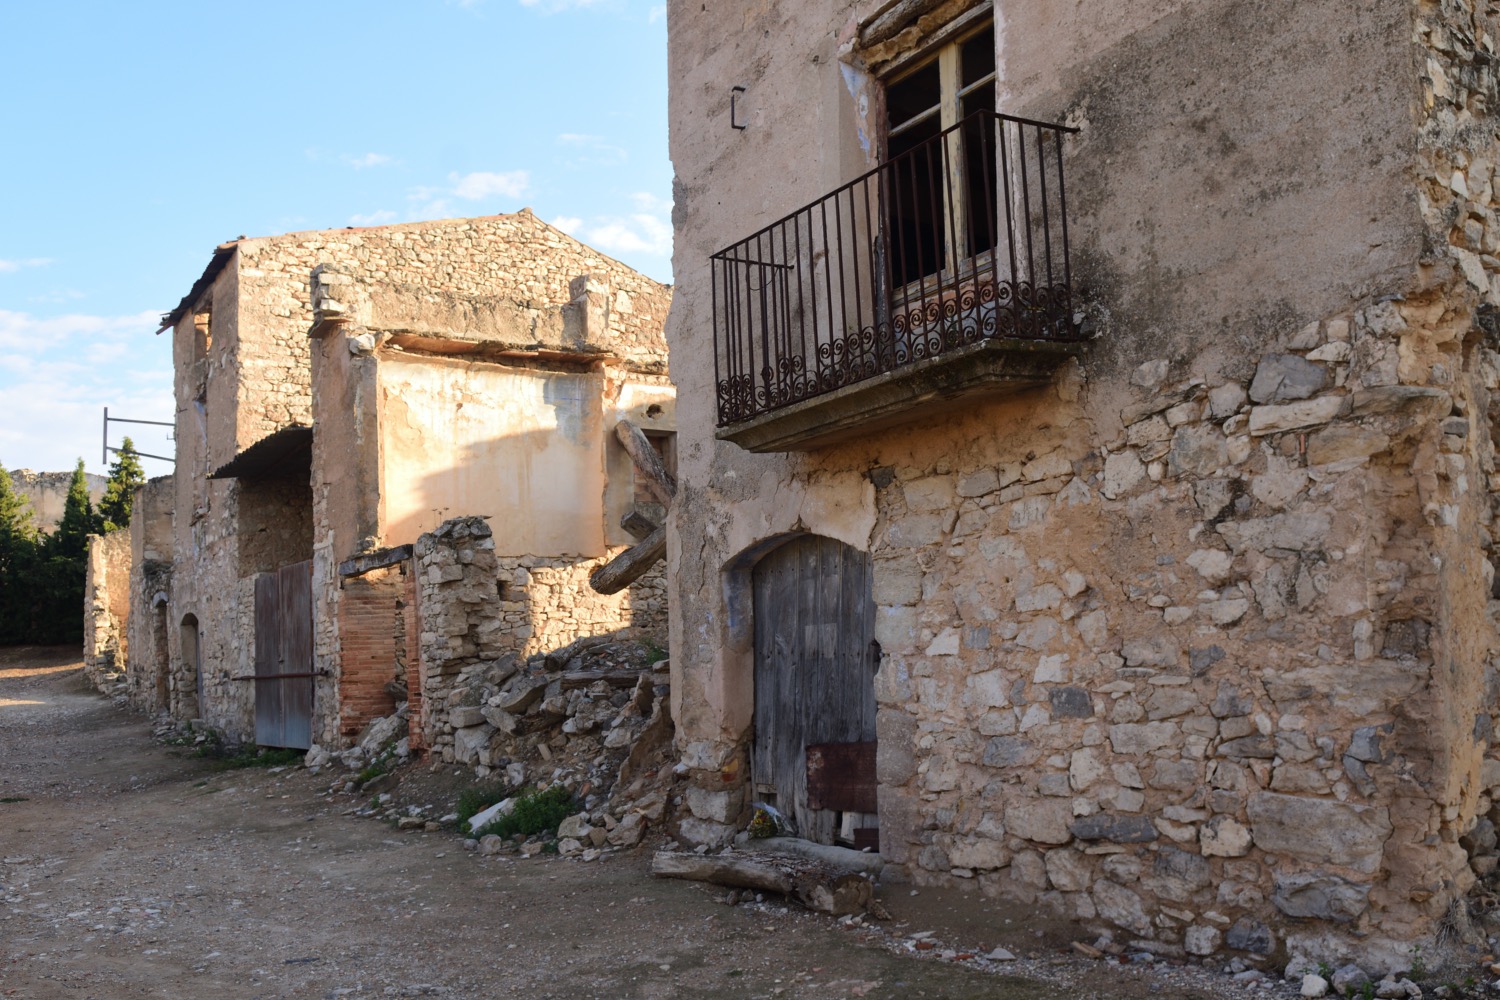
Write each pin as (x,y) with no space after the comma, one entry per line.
(128,869)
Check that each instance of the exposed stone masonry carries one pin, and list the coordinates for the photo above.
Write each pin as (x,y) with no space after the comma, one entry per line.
(480,615)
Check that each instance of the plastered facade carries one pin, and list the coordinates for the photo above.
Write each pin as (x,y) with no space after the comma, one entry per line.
(1195,644)
(454,407)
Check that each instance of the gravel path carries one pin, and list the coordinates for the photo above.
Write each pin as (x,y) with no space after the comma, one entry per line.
(128,869)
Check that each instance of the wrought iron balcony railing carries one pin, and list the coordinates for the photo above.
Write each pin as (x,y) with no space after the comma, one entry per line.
(961,239)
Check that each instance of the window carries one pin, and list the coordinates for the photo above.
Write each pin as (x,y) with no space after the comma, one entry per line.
(929,231)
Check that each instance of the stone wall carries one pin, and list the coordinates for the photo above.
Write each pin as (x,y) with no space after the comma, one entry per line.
(106,606)
(480,613)
(1195,644)
(149,666)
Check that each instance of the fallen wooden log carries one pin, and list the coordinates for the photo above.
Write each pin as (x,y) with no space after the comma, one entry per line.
(627,567)
(815,885)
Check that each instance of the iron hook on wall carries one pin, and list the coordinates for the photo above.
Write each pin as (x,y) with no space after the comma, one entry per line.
(734,113)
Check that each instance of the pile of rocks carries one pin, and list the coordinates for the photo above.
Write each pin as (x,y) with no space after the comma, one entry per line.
(592,717)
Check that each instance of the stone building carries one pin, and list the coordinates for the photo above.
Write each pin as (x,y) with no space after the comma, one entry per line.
(1101,442)
(341,393)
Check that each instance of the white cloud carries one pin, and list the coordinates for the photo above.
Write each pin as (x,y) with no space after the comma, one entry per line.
(379,217)
(568,223)
(480,185)
(367,160)
(58,372)
(656,13)
(7,266)
(35,335)
(647,230)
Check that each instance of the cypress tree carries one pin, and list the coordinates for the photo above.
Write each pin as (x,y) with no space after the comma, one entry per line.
(63,566)
(125,476)
(17,562)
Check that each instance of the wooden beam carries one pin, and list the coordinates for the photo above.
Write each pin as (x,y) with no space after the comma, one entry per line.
(658,480)
(638,524)
(616,678)
(625,568)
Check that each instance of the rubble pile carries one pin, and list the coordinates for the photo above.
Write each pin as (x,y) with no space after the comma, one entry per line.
(592,717)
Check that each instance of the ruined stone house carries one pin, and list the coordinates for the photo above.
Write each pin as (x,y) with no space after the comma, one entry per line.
(1087,452)
(343,393)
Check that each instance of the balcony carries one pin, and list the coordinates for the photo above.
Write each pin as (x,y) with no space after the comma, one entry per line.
(939,276)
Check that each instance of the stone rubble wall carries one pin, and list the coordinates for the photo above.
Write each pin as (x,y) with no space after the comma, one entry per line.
(148,667)
(106,607)
(1200,653)
(477,611)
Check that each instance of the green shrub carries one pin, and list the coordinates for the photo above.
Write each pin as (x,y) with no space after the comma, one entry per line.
(230,759)
(536,811)
(475,800)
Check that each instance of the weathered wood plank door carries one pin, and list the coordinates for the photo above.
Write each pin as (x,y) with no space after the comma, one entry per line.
(815,661)
(283,657)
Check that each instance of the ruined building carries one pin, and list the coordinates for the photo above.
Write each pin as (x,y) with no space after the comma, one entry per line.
(340,396)
(1085,482)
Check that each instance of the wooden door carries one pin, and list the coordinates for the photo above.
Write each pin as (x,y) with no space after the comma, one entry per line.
(283,657)
(815,661)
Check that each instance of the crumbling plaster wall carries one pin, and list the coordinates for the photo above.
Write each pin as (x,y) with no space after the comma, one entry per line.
(106,606)
(1194,644)
(148,667)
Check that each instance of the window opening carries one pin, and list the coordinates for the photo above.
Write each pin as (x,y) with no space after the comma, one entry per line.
(928,236)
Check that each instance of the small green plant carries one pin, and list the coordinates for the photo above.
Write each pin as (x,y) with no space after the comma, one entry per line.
(1325,971)
(655,652)
(1367,991)
(537,810)
(234,758)
(374,770)
(476,799)
(1418,963)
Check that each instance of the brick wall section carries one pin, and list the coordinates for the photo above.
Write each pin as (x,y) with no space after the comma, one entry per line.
(372,640)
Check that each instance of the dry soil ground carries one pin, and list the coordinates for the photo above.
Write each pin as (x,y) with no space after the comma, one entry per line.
(129,869)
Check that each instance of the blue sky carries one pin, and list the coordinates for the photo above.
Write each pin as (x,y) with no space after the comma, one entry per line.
(137,136)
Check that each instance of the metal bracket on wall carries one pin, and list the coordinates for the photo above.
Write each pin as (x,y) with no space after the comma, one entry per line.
(734,112)
(121,420)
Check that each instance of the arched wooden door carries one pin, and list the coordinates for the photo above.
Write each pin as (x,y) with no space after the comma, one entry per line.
(815,662)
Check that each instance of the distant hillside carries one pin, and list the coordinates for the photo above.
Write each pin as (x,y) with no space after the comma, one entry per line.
(48,492)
